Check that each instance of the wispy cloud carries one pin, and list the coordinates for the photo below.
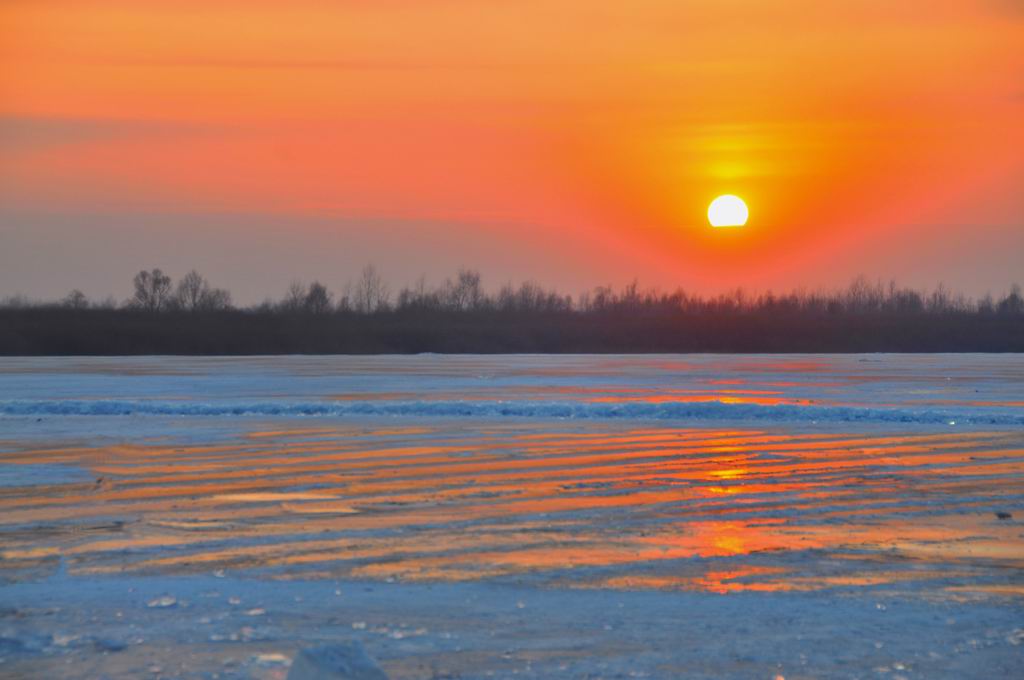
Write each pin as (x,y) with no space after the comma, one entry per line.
(273,64)
(30,133)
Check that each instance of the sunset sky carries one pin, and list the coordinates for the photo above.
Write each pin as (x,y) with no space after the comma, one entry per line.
(572,142)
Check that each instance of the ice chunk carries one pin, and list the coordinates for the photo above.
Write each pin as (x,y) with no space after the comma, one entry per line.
(344,661)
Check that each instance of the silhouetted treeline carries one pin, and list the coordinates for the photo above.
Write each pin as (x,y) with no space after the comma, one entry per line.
(460,315)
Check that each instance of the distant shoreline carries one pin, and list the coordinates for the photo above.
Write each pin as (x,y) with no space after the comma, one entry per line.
(57,331)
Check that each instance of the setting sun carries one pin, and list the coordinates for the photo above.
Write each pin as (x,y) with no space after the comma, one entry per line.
(727,211)
(385,320)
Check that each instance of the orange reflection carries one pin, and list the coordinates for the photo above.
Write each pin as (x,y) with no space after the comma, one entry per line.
(706,509)
(769,399)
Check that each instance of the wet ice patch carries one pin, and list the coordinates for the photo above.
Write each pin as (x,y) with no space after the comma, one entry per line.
(32,474)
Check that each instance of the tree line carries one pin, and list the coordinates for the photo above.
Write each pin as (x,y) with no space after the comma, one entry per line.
(192,316)
(155,291)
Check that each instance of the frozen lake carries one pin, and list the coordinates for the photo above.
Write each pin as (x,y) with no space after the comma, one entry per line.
(514,516)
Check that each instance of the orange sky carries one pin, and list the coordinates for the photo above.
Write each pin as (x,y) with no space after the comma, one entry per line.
(572,142)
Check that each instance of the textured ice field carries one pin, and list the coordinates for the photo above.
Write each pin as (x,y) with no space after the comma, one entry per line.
(914,389)
(524,516)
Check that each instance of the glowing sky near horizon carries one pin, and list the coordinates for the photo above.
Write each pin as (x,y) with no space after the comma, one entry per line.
(570,142)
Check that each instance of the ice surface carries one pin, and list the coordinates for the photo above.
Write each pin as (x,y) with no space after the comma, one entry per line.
(948,390)
(525,516)
(680,412)
(31,474)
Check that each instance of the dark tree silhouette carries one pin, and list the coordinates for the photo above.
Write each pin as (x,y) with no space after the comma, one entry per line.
(465,293)
(194,294)
(152,291)
(371,294)
(460,316)
(318,299)
(295,297)
(75,300)
(1012,303)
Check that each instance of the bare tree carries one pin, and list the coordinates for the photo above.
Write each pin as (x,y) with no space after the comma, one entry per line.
(190,292)
(189,295)
(603,298)
(864,296)
(215,299)
(1012,303)
(152,291)
(371,294)
(418,296)
(343,303)
(295,297)
(465,293)
(194,294)
(75,300)
(318,299)
(940,299)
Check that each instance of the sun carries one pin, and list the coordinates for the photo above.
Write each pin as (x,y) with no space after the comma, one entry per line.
(727,211)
